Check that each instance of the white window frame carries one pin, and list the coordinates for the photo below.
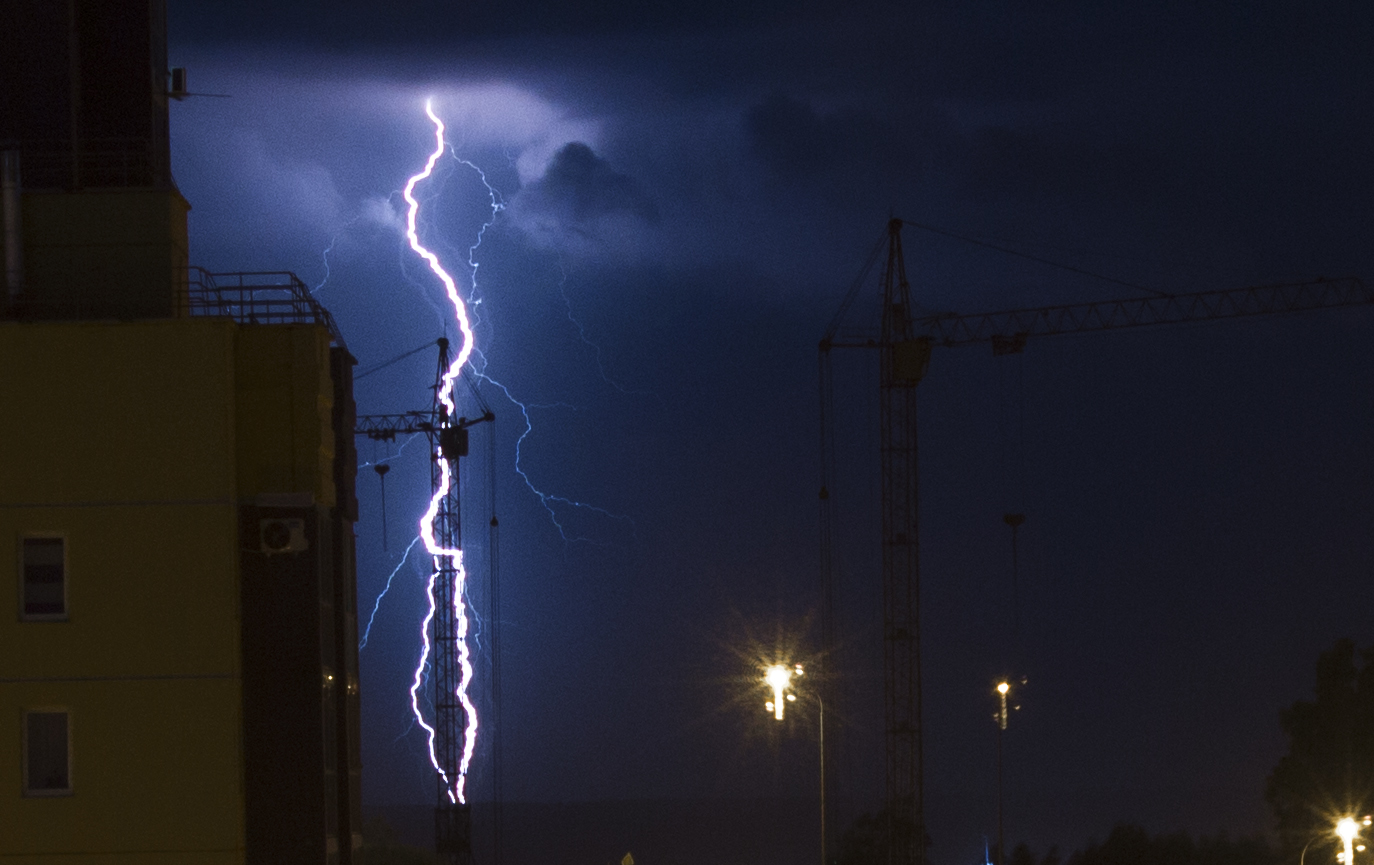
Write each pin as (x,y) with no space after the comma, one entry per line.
(24,615)
(27,791)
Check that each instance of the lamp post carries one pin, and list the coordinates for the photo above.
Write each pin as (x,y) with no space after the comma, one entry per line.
(779,678)
(1003,687)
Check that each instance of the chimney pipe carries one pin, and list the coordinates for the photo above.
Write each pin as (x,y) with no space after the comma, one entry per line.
(14,238)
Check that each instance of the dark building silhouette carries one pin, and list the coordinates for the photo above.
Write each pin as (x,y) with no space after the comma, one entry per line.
(179,681)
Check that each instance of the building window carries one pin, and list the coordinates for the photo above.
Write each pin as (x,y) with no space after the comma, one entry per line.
(45,579)
(47,753)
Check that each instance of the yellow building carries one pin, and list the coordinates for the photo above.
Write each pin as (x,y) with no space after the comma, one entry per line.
(178,682)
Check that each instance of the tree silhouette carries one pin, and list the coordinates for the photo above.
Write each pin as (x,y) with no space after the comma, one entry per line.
(1022,854)
(865,841)
(1132,845)
(1328,771)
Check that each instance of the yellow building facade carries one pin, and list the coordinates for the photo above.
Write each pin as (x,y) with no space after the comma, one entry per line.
(178,668)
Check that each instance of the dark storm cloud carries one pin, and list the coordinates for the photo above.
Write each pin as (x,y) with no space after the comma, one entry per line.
(1004,162)
(581,185)
(365,24)
(1006,158)
(579,194)
(793,138)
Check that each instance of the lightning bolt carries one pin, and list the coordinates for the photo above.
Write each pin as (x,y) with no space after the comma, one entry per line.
(334,239)
(376,605)
(454,786)
(586,340)
(548,500)
(362,643)
(497,205)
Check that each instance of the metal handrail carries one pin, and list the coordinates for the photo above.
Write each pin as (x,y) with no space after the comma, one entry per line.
(256,297)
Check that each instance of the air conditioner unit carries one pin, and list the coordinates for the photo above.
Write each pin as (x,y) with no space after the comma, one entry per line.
(282,535)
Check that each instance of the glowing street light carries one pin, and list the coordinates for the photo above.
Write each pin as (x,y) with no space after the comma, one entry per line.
(1347,829)
(778,678)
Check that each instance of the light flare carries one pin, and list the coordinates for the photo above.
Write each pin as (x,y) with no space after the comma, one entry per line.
(1347,829)
(778,677)
(454,786)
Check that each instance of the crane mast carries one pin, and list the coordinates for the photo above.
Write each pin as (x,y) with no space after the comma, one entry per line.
(904,343)
(452,819)
(448,441)
(900,370)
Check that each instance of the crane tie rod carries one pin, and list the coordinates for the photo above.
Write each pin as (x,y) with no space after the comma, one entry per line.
(953,329)
(933,230)
(378,367)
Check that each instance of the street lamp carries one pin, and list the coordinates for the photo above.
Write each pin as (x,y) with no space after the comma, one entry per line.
(1347,829)
(1003,688)
(779,677)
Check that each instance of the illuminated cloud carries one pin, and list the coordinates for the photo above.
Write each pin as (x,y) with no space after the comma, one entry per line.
(381,212)
(286,191)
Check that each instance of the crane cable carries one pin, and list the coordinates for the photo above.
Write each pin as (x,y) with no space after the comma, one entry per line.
(933,230)
(377,367)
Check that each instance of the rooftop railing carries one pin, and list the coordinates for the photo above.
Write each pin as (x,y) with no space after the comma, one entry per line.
(256,297)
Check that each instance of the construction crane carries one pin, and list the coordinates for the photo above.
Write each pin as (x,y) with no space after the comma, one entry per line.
(904,342)
(448,440)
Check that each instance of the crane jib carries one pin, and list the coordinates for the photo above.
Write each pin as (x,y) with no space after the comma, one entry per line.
(1008,330)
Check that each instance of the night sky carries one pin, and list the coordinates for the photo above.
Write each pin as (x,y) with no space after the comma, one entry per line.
(687,191)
